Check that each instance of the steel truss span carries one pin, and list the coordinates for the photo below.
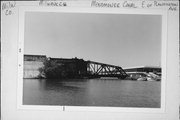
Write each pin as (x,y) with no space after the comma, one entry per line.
(96,69)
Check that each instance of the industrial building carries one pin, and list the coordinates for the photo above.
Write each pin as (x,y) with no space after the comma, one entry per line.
(74,67)
(149,73)
(147,69)
(33,64)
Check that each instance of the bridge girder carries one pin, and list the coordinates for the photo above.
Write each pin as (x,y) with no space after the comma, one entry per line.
(105,70)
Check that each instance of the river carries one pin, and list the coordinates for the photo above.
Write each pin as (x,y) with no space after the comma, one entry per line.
(92,92)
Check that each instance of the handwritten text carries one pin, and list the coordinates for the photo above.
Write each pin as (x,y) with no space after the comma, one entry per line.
(170,5)
(7,7)
(52,3)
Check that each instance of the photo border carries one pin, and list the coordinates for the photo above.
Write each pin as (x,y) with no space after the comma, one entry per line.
(75,10)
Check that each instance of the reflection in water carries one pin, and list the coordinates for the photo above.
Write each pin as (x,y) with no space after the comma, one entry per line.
(92,92)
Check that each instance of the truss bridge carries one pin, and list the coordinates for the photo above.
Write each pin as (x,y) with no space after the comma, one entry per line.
(96,69)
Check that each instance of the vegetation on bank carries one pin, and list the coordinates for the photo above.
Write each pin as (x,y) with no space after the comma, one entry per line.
(57,70)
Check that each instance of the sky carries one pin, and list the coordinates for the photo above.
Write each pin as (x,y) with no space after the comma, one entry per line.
(125,40)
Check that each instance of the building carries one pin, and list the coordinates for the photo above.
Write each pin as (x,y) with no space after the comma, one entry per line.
(147,69)
(32,64)
(145,73)
(76,67)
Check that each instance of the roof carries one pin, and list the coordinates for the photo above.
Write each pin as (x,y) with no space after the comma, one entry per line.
(34,55)
(65,58)
(135,67)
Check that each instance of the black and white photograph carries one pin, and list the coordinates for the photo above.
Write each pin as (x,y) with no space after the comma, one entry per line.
(92,59)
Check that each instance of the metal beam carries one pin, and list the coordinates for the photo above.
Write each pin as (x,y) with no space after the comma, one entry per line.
(101,69)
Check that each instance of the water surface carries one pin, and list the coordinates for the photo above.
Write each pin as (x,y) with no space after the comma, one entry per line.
(92,92)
